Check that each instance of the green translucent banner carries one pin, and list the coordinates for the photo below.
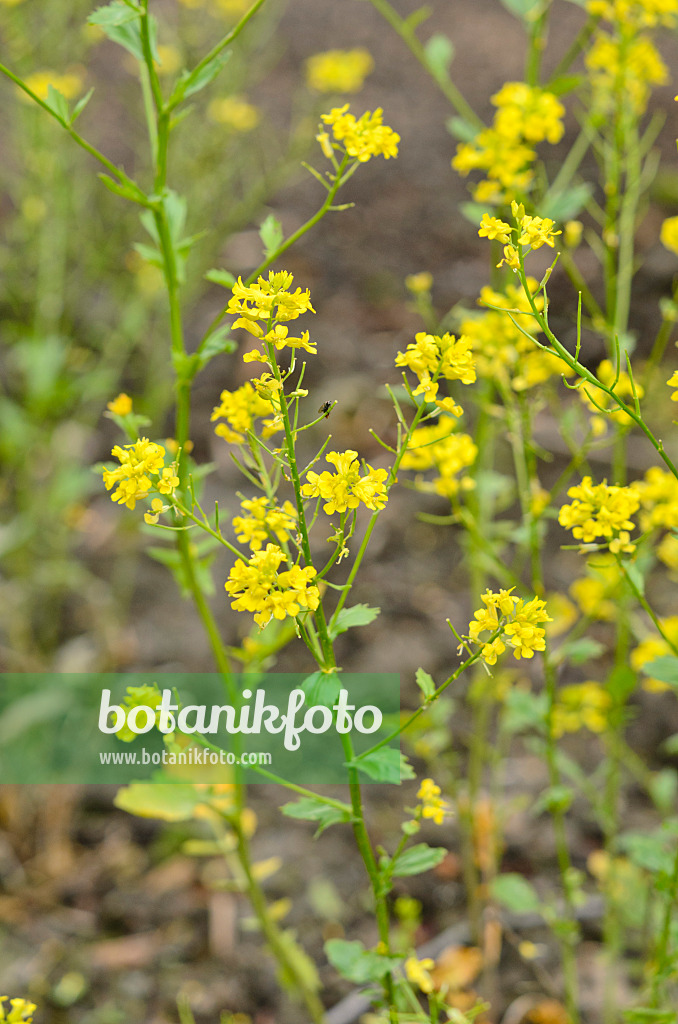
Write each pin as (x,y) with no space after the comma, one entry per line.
(198,728)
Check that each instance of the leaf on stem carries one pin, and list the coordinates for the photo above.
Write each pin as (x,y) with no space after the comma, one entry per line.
(384,765)
(358,615)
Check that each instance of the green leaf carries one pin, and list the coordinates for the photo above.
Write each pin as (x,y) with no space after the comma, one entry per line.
(115,13)
(417,859)
(580,651)
(215,344)
(148,253)
(564,84)
(425,683)
(566,204)
(174,802)
(191,82)
(621,682)
(663,787)
(355,963)
(122,25)
(515,893)
(308,809)
(80,106)
(384,765)
(321,688)
(358,615)
(301,968)
(473,212)
(221,277)
(271,235)
(57,102)
(525,711)
(461,129)
(665,669)
(128,190)
(555,798)
(521,8)
(439,56)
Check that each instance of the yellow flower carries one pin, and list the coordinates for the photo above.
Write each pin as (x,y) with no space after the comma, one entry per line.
(635,13)
(157,508)
(624,66)
(22,1010)
(537,231)
(673,381)
(364,137)
(439,447)
(120,406)
(511,258)
(601,512)
(132,478)
(258,587)
(240,408)
(573,232)
(520,625)
(580,706)
(658,493)
(339,70)
(655,646)
(69,84)
(346,488)
(169,59)
(234,112)
(270,300)
(431,357)
(669,235)
(431,804)
(260,522)
(491,227)
(419,283)
(417,971)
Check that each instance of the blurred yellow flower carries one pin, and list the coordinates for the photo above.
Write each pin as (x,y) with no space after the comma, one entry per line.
(234,112)
(69,84)
(669,234)
(338,70)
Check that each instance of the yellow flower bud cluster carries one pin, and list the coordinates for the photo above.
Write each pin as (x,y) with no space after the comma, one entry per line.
(519,625)
(258,587)
(346,488)
(601,513)
(506,151)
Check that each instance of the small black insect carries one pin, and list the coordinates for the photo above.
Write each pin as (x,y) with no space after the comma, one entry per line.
(326,408)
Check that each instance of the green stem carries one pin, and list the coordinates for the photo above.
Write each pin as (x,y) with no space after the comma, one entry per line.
(449,90)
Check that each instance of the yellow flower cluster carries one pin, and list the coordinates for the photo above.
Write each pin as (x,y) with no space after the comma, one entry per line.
(506,152)
(531,232)
(658,493)
(258,586)
(69,84)
(624,66)
(431,803)
(598,401)
(418,973)
(580,706)
(139,462)
(601,512)
(346,488)
(339,70)
(431,357)
(234,112)
(520,624)
(502,352)
(636,13)
(439,447)
(597,594)
(21,1011)
(655,646)
(240,408)
(262,522)
(669,234)
(361,138)
(273,302)
(673,383)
